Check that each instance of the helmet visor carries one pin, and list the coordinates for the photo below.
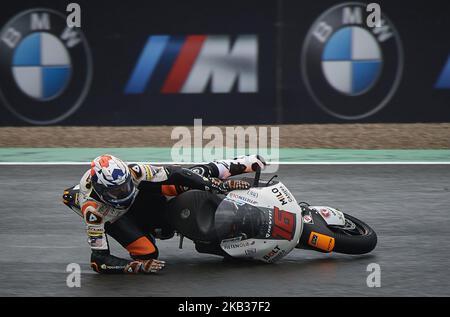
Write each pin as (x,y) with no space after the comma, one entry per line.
(119,192)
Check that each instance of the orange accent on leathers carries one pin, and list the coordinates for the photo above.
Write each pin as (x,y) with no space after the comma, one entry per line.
(87,204)
(169,190)
(141,246)
(94,266)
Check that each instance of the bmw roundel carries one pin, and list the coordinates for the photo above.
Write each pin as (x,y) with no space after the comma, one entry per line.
(45,66)
(350,69)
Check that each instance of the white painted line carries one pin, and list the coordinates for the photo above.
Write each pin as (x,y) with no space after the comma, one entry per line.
(364,163)
(45,247)
(272,163)
(44,163)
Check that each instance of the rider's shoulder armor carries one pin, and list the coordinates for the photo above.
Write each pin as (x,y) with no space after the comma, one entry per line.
(138,172)
(85,198)
(147,172)
(85,184)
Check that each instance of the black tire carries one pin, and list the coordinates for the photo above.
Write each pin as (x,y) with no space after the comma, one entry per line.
(360,241)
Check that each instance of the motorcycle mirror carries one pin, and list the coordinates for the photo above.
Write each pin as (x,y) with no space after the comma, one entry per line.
(271,179)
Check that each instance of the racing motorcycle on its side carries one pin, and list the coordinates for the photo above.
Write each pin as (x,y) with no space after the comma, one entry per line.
(265,223)
(262,223)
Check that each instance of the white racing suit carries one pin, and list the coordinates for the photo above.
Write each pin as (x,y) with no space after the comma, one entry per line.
(135,227)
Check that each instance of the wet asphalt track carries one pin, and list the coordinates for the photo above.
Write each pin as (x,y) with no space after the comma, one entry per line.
(408,206)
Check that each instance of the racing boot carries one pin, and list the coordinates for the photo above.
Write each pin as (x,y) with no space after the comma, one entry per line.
(239,165)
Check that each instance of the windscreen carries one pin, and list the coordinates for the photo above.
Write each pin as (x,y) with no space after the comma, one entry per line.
(234,219)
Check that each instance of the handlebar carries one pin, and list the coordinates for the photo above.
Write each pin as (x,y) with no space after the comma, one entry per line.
(257,177)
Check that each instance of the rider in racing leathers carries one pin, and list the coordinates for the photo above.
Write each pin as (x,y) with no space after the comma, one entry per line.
(108,199)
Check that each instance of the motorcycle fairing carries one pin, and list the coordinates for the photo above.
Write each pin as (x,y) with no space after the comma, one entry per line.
(281,208)
(332,216)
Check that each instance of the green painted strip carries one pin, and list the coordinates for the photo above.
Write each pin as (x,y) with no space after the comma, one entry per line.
(350,155)
(164,155)
(81,154)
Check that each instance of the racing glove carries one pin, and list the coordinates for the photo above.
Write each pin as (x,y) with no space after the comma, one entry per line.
(103,262)
(144,266)
(229,185)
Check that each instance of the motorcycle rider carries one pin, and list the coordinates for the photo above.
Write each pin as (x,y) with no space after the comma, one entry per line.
(108,199)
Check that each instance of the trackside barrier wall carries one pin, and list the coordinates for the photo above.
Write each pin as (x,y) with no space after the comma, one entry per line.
(227,62)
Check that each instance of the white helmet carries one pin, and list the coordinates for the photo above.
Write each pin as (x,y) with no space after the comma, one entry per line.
(111,180)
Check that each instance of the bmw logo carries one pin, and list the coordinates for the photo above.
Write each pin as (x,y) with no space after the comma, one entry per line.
(46,66)
(351,70)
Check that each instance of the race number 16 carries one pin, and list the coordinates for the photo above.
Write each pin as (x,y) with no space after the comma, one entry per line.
(284,224)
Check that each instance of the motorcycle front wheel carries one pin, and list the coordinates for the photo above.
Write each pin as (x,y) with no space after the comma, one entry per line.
(355,237)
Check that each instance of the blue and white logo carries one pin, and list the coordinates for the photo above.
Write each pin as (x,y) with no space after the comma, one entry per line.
(351,70)
(351,60)
(45,66)
(41,66)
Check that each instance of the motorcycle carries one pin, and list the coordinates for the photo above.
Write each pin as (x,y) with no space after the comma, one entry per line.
(265,223)
(262,223)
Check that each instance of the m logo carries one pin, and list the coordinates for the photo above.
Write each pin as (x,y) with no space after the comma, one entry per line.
(194,63)
(443,81)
